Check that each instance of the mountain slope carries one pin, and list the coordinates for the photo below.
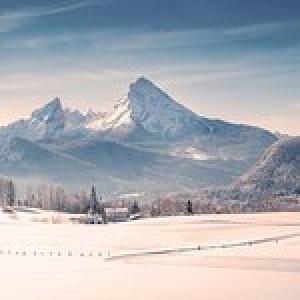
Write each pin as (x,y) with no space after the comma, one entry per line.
(46,122)
(27,158)
(276,173)
(147,142)
(52,122)
(149,117)
(111,157)
(147,106)
(152,170)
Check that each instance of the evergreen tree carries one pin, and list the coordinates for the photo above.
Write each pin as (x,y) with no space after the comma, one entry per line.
(190,207)
(93,201)
(153,212)
(135,208)
(11,194)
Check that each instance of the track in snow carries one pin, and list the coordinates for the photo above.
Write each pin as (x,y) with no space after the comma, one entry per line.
(201,248)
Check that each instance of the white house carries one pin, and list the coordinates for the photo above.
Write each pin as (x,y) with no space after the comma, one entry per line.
(116,214)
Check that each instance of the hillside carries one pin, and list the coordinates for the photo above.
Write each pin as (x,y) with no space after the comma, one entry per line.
(277,172)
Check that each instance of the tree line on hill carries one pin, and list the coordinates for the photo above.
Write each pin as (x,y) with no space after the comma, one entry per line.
(54,197)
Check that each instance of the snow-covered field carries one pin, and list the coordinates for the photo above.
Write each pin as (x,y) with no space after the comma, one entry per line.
(67,261)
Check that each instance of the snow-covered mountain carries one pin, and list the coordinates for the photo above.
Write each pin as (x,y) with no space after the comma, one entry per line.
(147,116)
(146,106)
(51,122)
(276,173)
(46,122)
(148,136)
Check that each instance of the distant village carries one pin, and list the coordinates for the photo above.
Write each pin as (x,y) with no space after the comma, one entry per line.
(89,207)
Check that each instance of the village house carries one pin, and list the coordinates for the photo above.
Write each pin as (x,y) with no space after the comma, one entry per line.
(116,214)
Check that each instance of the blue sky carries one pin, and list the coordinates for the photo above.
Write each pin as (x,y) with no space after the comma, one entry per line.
(232,59)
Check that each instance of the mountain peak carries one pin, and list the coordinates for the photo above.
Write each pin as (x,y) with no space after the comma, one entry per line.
(144,85)
(54,104)
(143,81)
(49,110)
(147,108)
(47,121)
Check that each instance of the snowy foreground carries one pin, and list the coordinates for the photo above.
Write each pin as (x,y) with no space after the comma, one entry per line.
(127,261)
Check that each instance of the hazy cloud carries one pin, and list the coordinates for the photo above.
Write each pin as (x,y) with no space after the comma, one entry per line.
(13,19)
(140,40)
